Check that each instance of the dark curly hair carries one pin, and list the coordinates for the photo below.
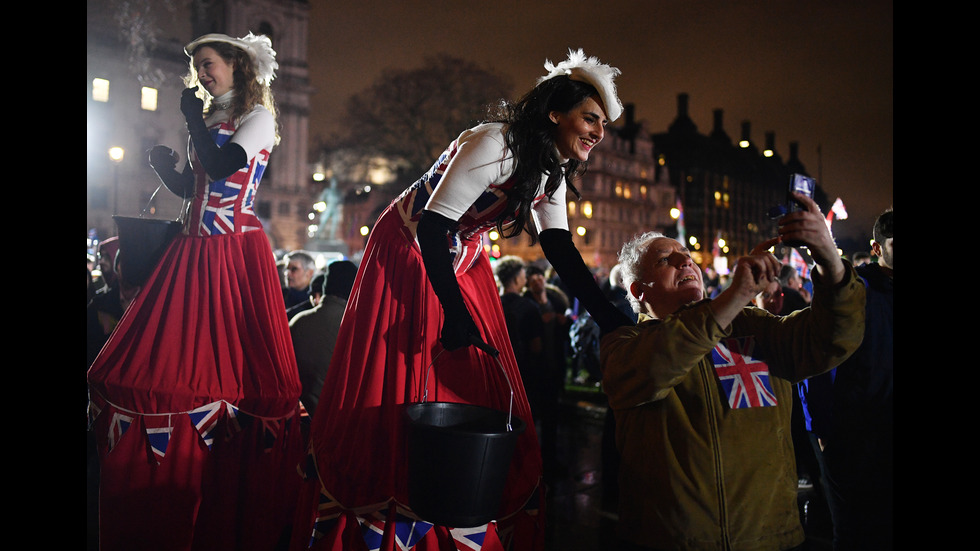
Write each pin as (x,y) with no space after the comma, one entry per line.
(530,137)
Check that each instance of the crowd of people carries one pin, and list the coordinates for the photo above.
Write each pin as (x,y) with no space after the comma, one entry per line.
(240,401)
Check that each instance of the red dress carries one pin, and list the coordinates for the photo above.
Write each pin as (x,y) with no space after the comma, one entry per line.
(357,492)
(194,398)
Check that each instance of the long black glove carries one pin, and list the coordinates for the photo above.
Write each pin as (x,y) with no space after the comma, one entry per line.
(163,161)
(219,162)
(567,261)
(458,329)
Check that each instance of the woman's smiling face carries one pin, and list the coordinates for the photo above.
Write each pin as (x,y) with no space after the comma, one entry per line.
(216,75)
(580,129)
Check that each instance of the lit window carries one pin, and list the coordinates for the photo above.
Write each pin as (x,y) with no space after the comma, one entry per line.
(148,98)
(100,89)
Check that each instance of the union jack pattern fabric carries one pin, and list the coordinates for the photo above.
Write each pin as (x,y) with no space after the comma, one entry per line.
(744,378)
(158,431)
(407,531)
(470,539)
(327,513)
(118,426)
(226,206)
(205,419)
(467,244)
(232,426)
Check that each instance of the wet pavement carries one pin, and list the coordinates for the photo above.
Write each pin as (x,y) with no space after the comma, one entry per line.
(581,508)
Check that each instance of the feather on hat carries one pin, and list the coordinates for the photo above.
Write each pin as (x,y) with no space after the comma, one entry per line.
(590,70)
(259,48)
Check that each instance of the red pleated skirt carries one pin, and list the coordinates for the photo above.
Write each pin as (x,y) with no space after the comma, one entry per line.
(195,404)
(387,351)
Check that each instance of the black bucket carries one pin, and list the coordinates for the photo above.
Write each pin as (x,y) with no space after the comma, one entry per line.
(141,244)
(458,459)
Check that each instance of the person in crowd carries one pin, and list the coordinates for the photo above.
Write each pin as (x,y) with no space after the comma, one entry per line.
(195,396)
(524,324)
(315,293)
(426,300)
(300,270)
(701,390)
(850,414)
(771,298)
(314,331)
(106,309)
(106,258)
(793,296)
(860,258)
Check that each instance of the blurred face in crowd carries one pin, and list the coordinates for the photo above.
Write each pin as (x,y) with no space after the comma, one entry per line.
(771,299)
(535,283)
(884,253)
(298,277)
(669,280)
(579,130)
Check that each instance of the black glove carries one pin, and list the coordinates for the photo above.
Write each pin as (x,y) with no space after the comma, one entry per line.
(568,264)
(218,162)
(190,105)
(458,329)
(163,161)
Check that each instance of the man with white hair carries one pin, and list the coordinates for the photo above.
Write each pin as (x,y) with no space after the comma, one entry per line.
(702,391)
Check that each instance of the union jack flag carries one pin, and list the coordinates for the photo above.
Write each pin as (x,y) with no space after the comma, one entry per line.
(469,539)
(744,378)
(117,427)
(373,529)
(407,531)
(158,431)
(205,419)
(327,513)
(233,427)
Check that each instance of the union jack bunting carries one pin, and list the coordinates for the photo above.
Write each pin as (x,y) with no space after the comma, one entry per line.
(327,513)
(158,431)
(270,431)
(409,532)
(372,529)
(93,412)
(469,539)
(232,427)
(744,378)
(118,426)
(205,420)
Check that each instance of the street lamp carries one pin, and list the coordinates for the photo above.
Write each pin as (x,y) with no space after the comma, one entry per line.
(116,155)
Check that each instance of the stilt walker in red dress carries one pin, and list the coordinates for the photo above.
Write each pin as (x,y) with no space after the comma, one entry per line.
(424,294)
(195,397)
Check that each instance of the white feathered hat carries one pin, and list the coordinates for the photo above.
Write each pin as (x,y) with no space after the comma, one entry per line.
(259,48)
(590,70)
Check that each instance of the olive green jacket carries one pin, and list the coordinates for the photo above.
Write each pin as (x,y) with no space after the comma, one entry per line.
(695,473)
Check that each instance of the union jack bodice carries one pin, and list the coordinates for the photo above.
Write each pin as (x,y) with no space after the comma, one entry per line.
(467,243)
(226,206)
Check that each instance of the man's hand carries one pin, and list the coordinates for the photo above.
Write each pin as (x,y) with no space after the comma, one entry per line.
(751,275)
(809,228)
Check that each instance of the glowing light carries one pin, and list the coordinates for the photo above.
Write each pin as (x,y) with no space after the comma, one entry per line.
(116,154)
(148,98)
(580,230)
(365,230)
(100,89)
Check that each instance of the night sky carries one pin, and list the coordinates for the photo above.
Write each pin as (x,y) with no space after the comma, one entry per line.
(817,73)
